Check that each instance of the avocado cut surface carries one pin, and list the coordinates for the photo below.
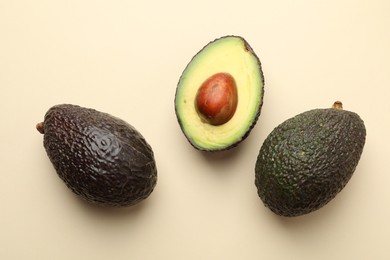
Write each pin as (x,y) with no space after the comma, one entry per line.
(308,159)
(234,98)
(100,157)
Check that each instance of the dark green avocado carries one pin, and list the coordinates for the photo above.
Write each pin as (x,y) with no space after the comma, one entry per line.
(101,158)
(308,159)
(220,94)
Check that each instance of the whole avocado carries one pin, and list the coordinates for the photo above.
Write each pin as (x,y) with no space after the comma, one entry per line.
(308,159)
(101,158)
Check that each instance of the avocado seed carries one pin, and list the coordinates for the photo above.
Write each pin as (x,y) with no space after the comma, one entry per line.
(216,99)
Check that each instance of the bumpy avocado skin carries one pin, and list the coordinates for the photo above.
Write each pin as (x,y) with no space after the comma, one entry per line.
(308,159)
(101,158)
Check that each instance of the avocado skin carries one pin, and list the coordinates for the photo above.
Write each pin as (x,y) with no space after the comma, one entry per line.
(308,159)
(101,158)
(256,116)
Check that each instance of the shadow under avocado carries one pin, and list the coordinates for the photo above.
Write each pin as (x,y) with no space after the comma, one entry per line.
(106,212)
(310,220)
(222,156)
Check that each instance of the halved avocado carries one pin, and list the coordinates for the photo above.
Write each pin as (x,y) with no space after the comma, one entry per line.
(219,95)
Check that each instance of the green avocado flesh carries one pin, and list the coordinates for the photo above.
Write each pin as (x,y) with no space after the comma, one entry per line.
(101,158)
(234,56)
(308,159)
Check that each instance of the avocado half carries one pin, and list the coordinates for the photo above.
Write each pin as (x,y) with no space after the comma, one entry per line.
(226,69)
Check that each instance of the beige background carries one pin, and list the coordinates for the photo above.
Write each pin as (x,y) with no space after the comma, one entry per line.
(125,58)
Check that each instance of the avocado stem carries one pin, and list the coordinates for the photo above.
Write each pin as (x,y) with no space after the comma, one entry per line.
(40,128)
(338,105)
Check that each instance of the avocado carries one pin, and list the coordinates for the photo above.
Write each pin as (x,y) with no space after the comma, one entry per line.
(100,157)
(308,159)
(219,95)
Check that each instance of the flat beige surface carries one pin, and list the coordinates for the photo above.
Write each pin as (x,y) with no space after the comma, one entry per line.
(125,58)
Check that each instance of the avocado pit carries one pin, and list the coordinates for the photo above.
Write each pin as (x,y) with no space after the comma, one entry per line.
(216,99)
